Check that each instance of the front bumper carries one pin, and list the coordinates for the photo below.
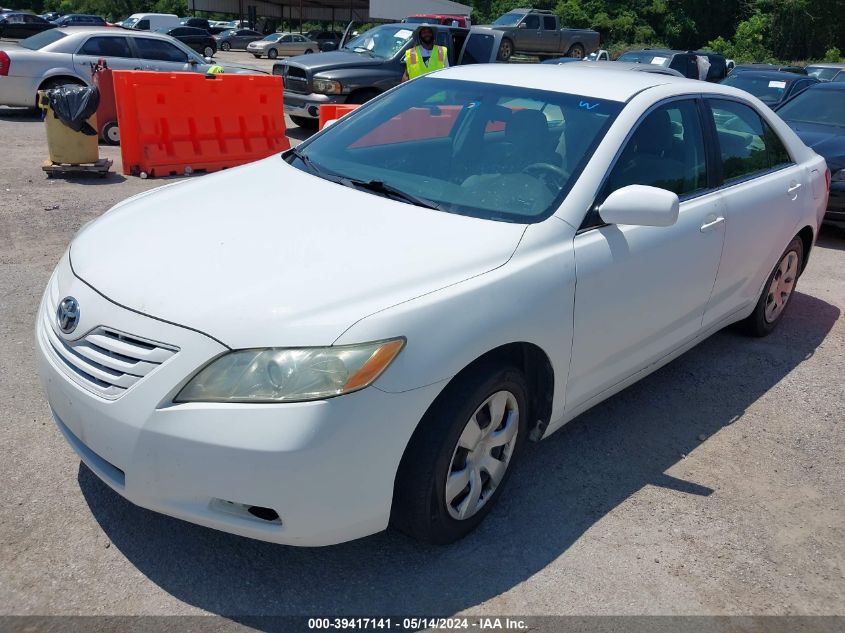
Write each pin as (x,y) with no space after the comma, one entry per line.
(836,205)
(308,105)
(327,468)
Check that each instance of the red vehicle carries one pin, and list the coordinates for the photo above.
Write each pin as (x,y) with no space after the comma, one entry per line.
(446,19)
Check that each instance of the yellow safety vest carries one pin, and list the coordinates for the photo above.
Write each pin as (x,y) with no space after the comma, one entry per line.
(416,65)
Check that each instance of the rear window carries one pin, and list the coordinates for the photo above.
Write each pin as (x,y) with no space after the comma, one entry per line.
(40,40)
(646,57)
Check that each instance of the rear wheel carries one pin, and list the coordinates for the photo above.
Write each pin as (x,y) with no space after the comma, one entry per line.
(272,53)
(257,56)
(308,51)
(576,51)
(459,458)
(225,46)
(56,83)
(777,291)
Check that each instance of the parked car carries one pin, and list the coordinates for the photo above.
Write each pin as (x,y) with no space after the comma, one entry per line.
(596,56)
(537,32)
(771,87)
(151,21)
(51,16)
(284,44)
(326,40)
(444,19)
(199,23)
(64,56)
(198,39)
(817,116)
(741,68)
(370,64)
(839,78)
(236,38)
(399,385)
(80,19)
(826,72)
(685,62)
(16,25)
(217,30)
(644,68)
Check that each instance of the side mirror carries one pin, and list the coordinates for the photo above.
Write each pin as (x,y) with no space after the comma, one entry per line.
(639,205)
(522,25)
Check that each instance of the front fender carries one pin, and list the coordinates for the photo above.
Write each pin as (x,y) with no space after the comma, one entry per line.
(528,299)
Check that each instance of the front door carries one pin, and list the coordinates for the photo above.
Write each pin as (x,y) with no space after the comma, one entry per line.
(164,56)
(641,291)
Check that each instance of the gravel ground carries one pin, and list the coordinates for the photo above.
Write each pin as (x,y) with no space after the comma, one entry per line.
(715,486)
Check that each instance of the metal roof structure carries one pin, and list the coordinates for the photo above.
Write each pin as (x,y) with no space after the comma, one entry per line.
(311,10)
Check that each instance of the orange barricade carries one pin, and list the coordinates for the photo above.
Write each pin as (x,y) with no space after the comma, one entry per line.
(331,111)
(173,123)
(101,77)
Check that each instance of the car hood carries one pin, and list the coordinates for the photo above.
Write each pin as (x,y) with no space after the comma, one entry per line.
(826,140)
(331,60)
(285,259)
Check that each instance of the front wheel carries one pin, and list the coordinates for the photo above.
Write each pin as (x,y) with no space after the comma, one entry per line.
(458,460)
(505,50)
(777,291)
(272,53)
(308,51)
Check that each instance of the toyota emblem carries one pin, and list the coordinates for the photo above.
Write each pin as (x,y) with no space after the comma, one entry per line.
(67,315)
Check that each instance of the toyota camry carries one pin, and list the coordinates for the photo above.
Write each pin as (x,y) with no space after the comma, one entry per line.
(495,250)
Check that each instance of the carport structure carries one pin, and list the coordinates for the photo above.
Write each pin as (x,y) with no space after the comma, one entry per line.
(290,11)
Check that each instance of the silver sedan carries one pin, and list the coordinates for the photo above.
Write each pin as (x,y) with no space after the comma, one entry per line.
(284,44)
(64,56)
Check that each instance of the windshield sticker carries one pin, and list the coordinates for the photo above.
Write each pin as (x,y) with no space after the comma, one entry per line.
(403,34)
(588,106)
(777,84)
(659,60)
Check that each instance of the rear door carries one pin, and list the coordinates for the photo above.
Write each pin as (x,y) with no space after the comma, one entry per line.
(549,35)
(114,49)
(162,55)
(642,291)
(765,192)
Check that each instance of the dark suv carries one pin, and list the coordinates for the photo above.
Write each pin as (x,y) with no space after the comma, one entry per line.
(683,61)
(326,40)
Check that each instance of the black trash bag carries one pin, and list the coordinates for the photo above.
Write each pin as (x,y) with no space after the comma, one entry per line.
(73,105)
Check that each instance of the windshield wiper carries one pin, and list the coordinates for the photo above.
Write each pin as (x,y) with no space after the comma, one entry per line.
(310,164)
(389,191)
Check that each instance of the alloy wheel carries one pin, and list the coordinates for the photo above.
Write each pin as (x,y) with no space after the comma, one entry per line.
(482,455)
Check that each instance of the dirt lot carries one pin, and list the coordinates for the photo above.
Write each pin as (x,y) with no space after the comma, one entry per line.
(715,486)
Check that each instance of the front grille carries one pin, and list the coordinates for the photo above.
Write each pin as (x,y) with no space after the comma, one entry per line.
(105,361)
(296,79)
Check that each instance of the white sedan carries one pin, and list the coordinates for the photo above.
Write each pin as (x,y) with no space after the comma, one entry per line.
(465,263)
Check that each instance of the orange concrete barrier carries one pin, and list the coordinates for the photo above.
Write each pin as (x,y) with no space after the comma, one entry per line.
(174,123)
(332,111)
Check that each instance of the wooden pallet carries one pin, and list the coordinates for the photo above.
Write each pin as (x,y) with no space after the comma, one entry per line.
(100,168)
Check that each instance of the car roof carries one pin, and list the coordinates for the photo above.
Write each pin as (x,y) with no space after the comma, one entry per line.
(616,85)
(773,74)
(110,30)
(828,85)
(826,65)
(647,68)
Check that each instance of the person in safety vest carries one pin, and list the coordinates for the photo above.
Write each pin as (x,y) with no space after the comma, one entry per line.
(426,56)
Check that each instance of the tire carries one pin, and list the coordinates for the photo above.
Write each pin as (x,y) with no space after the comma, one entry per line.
(258,56)
(780,285)
(225,46)
(208,51)
(362,96)
(422,507)
(111,133)
(576,51)
(308,51)
(272,53)
(309,124)
(505,50)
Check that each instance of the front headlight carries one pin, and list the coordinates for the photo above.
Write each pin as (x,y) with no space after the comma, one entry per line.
(838,176)
(290,374)
(327,86)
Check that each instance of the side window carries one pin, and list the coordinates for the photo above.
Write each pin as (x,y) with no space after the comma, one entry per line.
(532,22)
(299,38)
(549,23)
(747,144)
(285,39)
(109,46)
(159,50)
(143,25)
(665,151)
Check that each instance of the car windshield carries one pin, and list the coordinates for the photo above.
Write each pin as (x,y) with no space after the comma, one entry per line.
(509,19)
(40,40)
(484,150)
(826,107)
(824,74)
(128,23)
(766,89)
(274,37)
(646,57)
(383,41)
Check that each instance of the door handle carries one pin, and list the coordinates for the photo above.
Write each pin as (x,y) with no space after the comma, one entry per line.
(795,187)
(709,226)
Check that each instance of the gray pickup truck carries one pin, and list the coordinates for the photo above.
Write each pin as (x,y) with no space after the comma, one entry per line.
(369,64)
(535,32)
